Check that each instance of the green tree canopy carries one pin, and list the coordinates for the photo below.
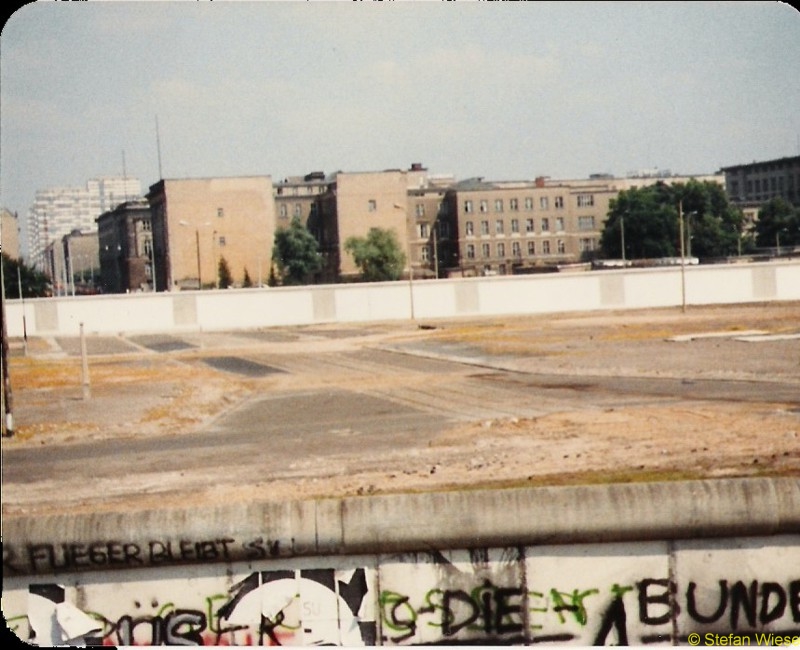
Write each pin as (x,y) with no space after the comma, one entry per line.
(649,216)
(35,284)
(296,253)
(378,255)
(778,224)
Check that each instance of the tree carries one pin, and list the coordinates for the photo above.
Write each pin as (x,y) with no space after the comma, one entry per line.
(224,274)
(247,282)
(35,284)
(778,224)
(296,253)
(378,255)
(712,226)
(649,221)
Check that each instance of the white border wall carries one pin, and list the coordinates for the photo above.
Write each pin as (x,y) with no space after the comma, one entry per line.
(429,299)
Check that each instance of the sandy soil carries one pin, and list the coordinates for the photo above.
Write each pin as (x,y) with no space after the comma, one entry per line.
(140,394)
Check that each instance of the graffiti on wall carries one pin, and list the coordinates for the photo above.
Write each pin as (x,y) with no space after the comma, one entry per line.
(602,594)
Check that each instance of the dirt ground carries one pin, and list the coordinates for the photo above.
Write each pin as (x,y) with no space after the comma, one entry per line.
(136,392)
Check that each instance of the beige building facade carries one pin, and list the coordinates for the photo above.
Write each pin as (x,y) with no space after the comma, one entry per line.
(197,222)
(518,227)
(9,234)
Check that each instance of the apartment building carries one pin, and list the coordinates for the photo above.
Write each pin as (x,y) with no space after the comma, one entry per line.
(751,185)
(197,222)
(72,263)
(125,242)
(296,197)
(57,211)
(9,234)
(758,182)
(518,226)
(353,203)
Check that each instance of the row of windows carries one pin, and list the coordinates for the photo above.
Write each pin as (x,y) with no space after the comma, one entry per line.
(584,223)
(442,229)
(583,201)
(585,245)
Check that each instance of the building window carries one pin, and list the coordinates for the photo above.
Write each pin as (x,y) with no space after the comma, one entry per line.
(298,210)
(559,224)
(585,200)
(484,227)
(422,230)
(426,253)
(531,248)
(513,205)
(420,209)
(546,247)
(484,206)
(470,251)
(220,212)
(284,212)
(562,247)
(529,203)
(501,250)
(467,206)
(498,226)
(372,205)
(543,202)
(498,205)
(516,249)
(545,224)
(485,250)
(515,225)
(585,223)
(529,225)
(586,245)
(558,202)
(469,229)
(221,241)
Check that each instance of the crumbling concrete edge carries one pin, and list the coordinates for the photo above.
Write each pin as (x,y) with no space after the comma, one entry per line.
(377,524)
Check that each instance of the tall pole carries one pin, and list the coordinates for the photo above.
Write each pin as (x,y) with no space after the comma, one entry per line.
(6,398)
(24,324)
(435,251)
(622,237)
(197,244)
(683,258)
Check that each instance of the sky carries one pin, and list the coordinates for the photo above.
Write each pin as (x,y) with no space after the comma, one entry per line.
(506,91)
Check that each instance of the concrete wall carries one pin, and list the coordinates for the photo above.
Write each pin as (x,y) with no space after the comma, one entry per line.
(253,308)
(620,564)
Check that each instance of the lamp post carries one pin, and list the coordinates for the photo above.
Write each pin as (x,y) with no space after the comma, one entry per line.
(622,237)
(182,222)
(397,206)
(683,257)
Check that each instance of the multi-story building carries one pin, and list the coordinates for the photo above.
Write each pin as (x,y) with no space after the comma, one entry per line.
(514,227)
(197,222)
(353,203)
(750,185)
(9,234)
(57,211)
(125,241)
(72,263)
(296,197)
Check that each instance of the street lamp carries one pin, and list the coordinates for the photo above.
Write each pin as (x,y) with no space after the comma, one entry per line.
(683,258)
(397,206)
(622,237)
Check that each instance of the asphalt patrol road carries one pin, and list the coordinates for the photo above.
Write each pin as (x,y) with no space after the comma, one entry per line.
(309,403)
